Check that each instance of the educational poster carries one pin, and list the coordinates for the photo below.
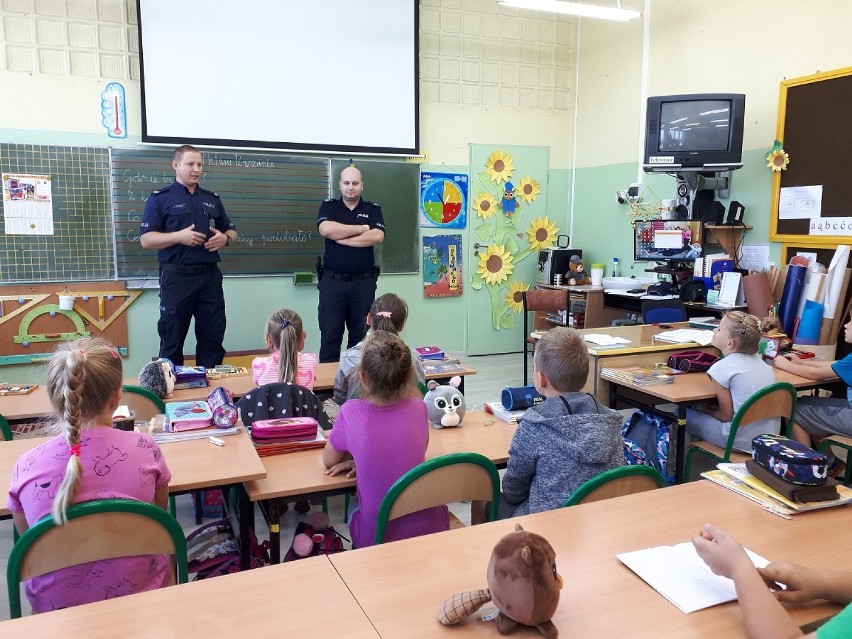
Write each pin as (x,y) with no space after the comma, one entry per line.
(443,200)
(442,266)
(27,204)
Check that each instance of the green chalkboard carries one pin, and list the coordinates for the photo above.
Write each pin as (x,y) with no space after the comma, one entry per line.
(74,239)
(395,186)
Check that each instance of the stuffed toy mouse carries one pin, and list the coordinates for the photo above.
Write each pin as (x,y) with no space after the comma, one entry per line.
(576,275)
(158,377)
(522,584)
(445,404)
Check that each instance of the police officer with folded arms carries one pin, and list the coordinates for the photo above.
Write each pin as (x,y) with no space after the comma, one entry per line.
(188,226)
(351,227)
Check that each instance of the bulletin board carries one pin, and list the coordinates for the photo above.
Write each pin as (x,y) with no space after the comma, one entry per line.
(813,126)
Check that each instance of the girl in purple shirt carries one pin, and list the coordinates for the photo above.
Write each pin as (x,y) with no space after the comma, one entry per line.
(89,460)
(385,434)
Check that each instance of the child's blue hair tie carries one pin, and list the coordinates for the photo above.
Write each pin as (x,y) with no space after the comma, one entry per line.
(285,323)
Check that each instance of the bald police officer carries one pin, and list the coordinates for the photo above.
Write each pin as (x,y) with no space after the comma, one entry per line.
(188,226)
(351,227)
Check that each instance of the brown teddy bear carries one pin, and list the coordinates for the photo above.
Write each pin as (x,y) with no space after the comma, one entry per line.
(576,275)
(522,583)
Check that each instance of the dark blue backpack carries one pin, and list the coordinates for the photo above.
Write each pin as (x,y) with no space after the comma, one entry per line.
(646,442)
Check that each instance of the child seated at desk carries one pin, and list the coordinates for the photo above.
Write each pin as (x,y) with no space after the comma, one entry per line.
(737,376)
(563,441)
(89,460)
(285,339)
(386,434)
(763,615)
(819,417)
(388,313)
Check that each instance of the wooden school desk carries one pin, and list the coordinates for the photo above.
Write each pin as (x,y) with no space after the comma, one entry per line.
(36,404)
(194,464)
(302,475)
(685,390)
(402,585)
(304,598)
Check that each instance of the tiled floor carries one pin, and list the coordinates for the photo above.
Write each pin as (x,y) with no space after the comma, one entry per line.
(494,372)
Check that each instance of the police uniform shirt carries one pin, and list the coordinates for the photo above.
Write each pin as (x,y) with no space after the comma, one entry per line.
(173,209)
(352,260)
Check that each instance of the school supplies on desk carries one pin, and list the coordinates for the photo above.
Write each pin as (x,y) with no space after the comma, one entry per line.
(680,575)
(190,377)
(434,367)
(602,339)
(685,336)
(704,322)
(165,437)
(286,435)
(226,370)
(641,375)
(16,389)
(430,352)
(190,415)
(794,492)
(508,416)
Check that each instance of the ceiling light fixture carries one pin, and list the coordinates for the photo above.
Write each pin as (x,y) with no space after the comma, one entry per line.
(574,9)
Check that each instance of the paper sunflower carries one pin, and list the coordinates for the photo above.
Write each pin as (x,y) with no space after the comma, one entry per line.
(485,204)
(499,166)
(777,159)
(528,189)
(542,233)
(513,297)
(495,264)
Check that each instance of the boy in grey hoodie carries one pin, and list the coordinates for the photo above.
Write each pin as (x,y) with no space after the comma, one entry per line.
(563,441)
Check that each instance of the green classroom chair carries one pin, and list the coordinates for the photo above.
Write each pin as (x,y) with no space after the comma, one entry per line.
(6,429)
(96,530)
(616,482)
(442,480)
(841,442)
(775,400)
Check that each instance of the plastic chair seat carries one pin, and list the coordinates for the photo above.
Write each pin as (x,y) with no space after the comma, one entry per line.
(616,482)
(841,441)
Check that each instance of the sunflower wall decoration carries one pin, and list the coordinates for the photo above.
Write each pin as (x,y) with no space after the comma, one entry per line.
(504,238)
(777,159)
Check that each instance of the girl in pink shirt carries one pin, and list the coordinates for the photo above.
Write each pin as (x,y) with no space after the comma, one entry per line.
(89,460)
(386,434)
(285,339)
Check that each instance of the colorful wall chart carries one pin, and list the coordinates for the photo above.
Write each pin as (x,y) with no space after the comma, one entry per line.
(442,266)
(443,199)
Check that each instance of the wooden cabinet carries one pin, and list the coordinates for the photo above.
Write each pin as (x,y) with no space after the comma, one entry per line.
(586,303)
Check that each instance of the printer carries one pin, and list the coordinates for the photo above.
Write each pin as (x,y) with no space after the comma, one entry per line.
(554,261)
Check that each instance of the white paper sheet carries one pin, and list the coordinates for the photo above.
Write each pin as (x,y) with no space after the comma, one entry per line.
(834,280)
(800,202)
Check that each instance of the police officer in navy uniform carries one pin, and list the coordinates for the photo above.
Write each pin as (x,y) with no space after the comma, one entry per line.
(188,226)
(347,277)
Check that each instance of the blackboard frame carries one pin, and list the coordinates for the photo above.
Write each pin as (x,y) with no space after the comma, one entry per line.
(813,128)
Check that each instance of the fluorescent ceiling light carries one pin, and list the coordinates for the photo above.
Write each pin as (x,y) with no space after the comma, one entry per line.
(574,9)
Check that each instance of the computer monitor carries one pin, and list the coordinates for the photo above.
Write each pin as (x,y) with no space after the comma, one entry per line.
(673,243)
(696,132)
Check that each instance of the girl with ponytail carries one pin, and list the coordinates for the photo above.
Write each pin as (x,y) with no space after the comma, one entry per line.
(88,460)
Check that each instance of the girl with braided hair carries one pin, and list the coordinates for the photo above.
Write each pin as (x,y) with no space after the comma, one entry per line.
(88,460)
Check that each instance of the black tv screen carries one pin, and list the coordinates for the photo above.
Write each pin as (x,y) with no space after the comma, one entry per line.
(702,131)
(668,241)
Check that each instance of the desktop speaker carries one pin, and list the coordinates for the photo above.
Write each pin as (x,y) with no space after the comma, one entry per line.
(735,214)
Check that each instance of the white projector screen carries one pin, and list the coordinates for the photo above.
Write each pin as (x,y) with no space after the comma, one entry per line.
(331,75)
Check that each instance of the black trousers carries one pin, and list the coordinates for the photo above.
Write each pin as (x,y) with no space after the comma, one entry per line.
(343,304)
(187,295)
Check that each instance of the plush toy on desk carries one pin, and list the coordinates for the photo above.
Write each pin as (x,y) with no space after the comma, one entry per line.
(576,275)
(445,405)
(158,377)
(522,583)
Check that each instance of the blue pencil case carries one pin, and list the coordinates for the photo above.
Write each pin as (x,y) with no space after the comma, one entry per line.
(520,397)
(790,460)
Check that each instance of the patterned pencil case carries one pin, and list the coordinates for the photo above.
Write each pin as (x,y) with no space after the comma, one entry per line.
(692,361)
(790,460)
(284,429)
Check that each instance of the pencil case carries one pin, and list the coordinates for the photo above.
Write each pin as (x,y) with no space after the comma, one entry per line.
(520,397)
(284,429)
(692,361)
(221,402)
(790,460)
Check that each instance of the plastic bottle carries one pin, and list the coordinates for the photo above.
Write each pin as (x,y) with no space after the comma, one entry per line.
(615,267)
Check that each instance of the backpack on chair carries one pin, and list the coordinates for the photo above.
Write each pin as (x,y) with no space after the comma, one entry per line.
(646,442)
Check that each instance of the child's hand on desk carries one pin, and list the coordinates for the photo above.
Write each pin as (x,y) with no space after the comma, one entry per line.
(802,584)
(723,554)
(347,466)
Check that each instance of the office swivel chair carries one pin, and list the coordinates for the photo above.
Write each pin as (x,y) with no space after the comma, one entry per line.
(656,311)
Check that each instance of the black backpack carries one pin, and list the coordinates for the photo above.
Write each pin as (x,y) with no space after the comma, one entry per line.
(693,291)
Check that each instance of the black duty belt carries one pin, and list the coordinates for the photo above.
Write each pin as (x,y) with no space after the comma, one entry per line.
(348,277)
(188,269)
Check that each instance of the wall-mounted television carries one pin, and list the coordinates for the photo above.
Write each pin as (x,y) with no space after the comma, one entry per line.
(700,132)
(675,243)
